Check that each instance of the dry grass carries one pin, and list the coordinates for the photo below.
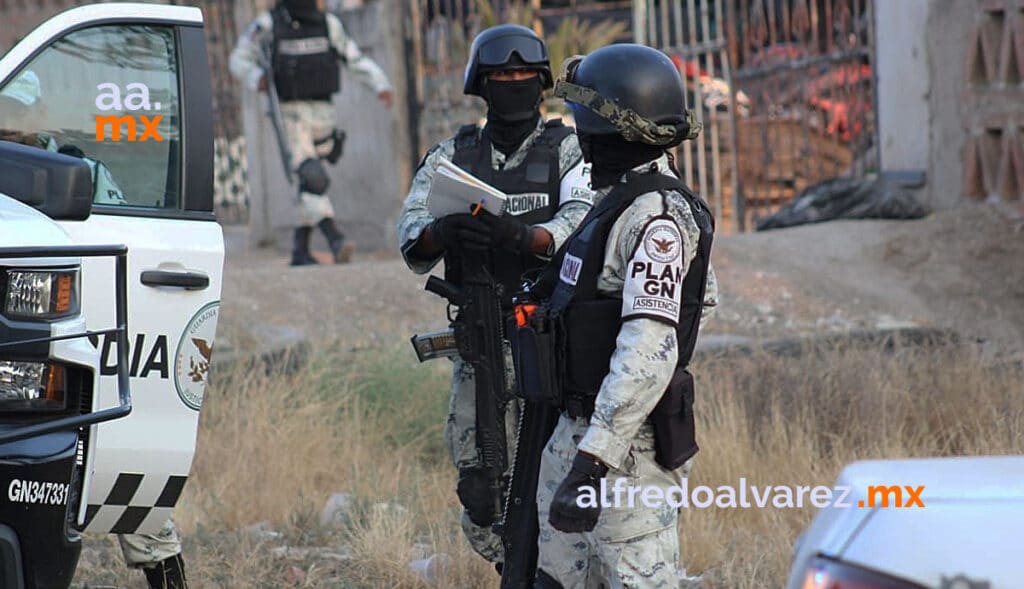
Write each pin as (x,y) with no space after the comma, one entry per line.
(798,422)
(275,447)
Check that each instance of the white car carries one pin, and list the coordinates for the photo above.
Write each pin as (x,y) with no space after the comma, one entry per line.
(112,105)
(955,523)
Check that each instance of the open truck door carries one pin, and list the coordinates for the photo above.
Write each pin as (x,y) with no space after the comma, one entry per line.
(126,88)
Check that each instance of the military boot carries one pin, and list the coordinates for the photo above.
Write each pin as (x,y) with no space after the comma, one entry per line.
(300,247)
(167,574)
(340,248)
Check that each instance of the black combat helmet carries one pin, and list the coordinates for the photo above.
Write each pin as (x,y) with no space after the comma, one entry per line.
(302,9)
(506,47)
(629,90)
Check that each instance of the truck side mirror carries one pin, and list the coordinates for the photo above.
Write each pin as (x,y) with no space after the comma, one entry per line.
(60,186)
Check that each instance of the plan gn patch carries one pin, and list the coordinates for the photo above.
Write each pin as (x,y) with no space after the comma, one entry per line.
(654,275)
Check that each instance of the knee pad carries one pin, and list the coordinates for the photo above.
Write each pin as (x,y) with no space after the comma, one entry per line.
(545,581)
(475,494)
(313,177)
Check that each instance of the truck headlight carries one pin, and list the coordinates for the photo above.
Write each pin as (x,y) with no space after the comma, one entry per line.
(41,294)
(823,573)
(32,386)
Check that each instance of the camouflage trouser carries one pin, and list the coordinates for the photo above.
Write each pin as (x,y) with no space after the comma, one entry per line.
(142,550)
(631,547)
(306,122)
(460,437)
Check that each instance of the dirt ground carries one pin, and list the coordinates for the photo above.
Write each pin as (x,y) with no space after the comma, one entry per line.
(961,269)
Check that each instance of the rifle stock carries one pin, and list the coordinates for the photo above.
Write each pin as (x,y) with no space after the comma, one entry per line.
(274,108)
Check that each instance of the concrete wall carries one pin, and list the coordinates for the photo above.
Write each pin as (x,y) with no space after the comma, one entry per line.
(902,78)
(950,23)
(944,108)
(370,181)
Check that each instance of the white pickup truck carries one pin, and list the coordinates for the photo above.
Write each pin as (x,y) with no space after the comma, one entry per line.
(110,278)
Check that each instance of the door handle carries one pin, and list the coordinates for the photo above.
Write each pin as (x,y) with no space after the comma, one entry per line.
(186,280)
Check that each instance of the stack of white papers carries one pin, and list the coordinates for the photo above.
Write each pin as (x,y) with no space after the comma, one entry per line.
(455,190)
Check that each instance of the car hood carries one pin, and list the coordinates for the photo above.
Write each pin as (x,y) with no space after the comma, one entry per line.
(968,529)
(24,226)
(957,479)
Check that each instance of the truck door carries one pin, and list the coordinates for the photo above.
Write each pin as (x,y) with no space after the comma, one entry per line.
(126,87)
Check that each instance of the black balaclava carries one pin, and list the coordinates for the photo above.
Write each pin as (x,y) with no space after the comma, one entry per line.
(513,109)
(303,10)
(611,156)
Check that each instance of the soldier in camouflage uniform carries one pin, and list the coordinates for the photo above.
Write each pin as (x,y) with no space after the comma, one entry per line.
(539,165)
(306,44)
(644,254)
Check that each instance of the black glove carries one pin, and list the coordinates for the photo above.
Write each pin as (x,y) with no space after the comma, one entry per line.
(509,233)
(461,230)
(476,495)
(566,515)
(72,150)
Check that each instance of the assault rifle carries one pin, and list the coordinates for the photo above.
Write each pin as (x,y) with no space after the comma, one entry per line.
(274,110)
(478,336)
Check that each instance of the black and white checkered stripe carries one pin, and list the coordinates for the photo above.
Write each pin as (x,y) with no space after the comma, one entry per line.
(125,510)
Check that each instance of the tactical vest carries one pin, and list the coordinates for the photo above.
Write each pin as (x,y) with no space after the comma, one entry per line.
(589,320)
(533,188)
(304,61)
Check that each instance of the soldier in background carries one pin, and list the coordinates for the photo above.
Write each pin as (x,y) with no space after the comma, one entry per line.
(306,45)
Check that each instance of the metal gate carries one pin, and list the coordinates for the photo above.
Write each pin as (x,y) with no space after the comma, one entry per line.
(784,87)
(690,32)
(687,30)
(806,67)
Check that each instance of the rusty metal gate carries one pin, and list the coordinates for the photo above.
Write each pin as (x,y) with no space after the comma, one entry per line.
(805,66)
(784,87)
(690,32)
(687,30)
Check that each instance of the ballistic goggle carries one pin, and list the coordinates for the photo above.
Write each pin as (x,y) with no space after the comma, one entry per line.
(498,52)
(627,122)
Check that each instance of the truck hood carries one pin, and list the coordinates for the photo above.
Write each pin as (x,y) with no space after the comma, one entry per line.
(24,226)
(970,525)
